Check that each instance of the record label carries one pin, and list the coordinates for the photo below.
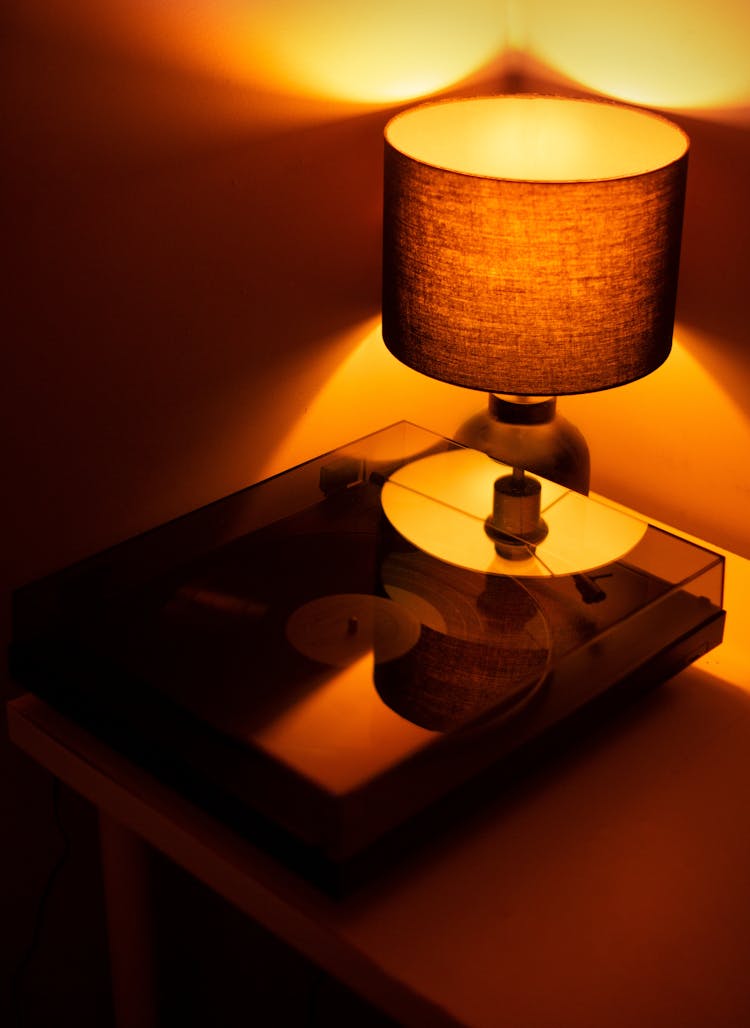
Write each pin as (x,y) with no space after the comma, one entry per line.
(340,629)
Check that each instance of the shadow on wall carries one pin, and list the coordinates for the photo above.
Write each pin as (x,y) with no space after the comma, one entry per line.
(182,243)
(715,273)
(159,282)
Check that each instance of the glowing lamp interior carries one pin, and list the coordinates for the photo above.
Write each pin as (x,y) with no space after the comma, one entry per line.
(537,139)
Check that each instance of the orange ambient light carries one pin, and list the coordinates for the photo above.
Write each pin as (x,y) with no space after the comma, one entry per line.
(679,54)
(359,51)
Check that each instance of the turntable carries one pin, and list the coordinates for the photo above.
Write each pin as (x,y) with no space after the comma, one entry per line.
(338,659)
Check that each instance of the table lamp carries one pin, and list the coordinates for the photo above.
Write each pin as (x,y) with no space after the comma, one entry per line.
(531,250)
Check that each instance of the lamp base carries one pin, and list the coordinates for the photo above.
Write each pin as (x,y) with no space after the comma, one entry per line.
(527,432)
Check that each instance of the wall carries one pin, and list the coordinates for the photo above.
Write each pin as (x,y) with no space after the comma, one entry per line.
(191,304)
(674,445)
(192,212)
(194,256)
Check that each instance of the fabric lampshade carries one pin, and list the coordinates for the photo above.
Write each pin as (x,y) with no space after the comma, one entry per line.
(531,244)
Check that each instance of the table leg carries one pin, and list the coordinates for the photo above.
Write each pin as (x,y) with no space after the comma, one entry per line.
(127,892)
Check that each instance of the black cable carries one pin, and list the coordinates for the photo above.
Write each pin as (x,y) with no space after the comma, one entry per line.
(19,973)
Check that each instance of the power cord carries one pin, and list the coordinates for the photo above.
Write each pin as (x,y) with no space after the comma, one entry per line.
(19,973)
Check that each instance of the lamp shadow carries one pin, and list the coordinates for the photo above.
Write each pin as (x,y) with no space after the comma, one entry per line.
(715,273)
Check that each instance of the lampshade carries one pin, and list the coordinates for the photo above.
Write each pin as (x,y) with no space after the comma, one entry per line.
(531,244)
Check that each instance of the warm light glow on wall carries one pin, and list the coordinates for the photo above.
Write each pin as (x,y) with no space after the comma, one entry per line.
(373,52)
(666,53)
(358,51)
(354,386)
(683,421)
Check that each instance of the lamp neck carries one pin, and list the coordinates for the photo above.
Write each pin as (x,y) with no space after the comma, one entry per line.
(527,432)
(522,410)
